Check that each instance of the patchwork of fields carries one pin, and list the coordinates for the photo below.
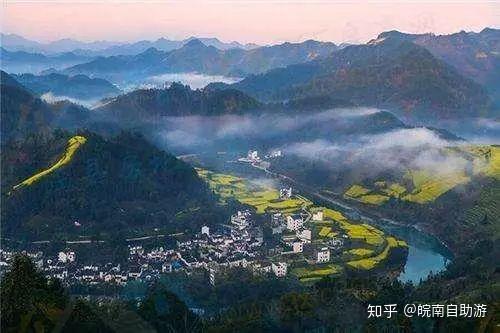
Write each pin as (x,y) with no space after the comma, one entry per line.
(365,246)
(424,186)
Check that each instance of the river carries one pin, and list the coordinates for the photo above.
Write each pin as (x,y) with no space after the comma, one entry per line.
(426,254)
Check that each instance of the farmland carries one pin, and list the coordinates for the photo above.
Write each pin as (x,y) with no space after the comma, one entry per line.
(424,186)
(74,144)
(367,246)
(372,262)
(263,199)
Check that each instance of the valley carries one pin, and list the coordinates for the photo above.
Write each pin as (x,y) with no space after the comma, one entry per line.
(200,185)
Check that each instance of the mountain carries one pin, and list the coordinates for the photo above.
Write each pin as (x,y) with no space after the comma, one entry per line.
(387,72)
(215,42)
(78,86)
(195,56)
(177,100)
(122,67)
(21,112)
(474,55)
(18,43)
(22,62)
(117,185)
(108,48)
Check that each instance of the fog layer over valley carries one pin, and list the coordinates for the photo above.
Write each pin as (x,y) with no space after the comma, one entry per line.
(353,144)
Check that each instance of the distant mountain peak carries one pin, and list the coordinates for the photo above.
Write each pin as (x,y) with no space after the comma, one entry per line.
(194,42)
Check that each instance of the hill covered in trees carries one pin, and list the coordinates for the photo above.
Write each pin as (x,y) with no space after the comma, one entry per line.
(122,184)
(178,100)
(386,72)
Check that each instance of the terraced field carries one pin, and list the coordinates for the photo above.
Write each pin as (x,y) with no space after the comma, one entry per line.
(365,195)
(372,262)
(74,144)
(316,272)
(486,211)
(486,161)
(263,199)
(427,186)
(367,245)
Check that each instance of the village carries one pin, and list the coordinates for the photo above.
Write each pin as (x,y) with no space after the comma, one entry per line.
(237,244)
(275,232)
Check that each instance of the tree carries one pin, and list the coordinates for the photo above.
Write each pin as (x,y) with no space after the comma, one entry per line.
(28,300)
(167,313)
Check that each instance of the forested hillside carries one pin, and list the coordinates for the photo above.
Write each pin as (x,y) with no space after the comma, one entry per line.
(113,185)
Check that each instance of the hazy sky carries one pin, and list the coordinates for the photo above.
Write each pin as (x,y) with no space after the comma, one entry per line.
(246,21)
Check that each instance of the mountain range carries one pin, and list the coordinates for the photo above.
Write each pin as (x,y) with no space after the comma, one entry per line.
(195,56)
(26,62)
(386,72)
(177,100)
(78,86)
(15,42)
(420,77)
(115,185)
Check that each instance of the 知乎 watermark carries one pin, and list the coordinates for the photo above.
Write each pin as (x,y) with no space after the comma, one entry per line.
(428,310)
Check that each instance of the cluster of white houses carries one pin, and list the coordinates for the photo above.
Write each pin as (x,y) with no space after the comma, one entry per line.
(239,243)
(254,158)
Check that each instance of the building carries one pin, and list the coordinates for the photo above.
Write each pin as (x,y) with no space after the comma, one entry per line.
(253,156)
(305,235)
(323,255)
(66,257)
(286,193)
(277,223)
(211,277)
(279,269)
(205,230)
(294,222)
(318,216)
(297,246)
(241,220)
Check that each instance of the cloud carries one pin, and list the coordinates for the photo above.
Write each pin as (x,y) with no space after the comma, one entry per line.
(415,148)
(51,98)
(194,80)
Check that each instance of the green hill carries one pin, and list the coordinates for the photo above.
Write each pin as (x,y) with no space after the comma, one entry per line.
(178,100)
(388,72)
(118,185)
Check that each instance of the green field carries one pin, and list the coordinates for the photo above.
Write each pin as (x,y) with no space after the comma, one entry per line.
(369,242)
(74,144)
(360,252)
(263,199)
(308,273)
(372,262)
(356,191)
(365,195)
(426,186)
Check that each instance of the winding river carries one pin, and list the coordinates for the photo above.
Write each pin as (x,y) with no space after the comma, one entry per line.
(426,254)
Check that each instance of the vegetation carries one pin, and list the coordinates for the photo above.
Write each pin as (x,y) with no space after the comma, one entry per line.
(356,191)
(178,100)
(74,144)
(393,73)
(429,186)
(372,262)
(115,185)
(266,200)
(263,199)
(316,272)
(360,252)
